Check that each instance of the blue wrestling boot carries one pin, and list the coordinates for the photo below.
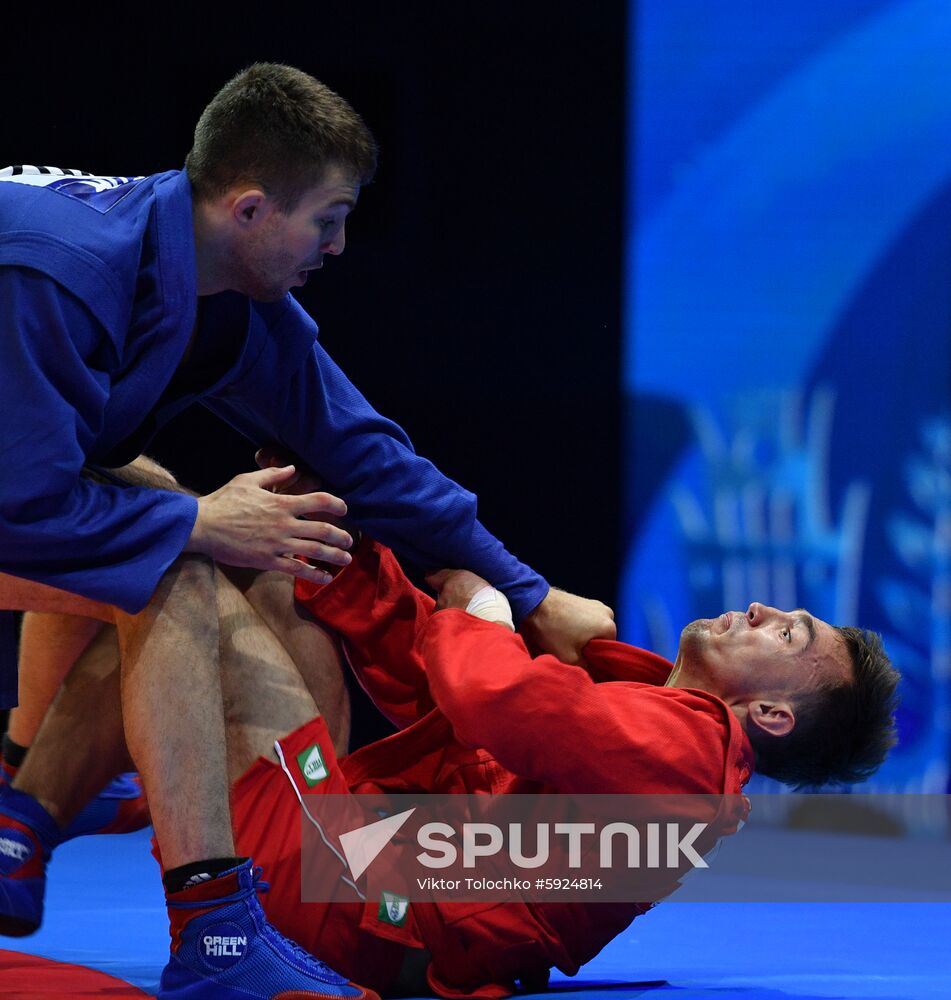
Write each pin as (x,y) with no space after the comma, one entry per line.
(223,948)
(119,808)
(27,837)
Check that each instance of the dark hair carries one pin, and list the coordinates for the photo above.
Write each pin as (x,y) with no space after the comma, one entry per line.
(844,731)
(277,127)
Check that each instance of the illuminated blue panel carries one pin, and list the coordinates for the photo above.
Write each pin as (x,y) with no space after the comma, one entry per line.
(787,356)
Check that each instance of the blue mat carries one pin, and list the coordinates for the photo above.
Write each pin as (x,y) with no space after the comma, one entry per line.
(105,911)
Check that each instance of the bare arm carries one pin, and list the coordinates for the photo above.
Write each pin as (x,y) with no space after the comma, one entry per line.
(563,624)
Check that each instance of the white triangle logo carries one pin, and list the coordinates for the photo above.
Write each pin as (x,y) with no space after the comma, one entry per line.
(362,845)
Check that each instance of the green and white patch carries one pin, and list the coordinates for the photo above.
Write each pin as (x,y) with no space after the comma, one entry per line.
(393,909)
(312,766)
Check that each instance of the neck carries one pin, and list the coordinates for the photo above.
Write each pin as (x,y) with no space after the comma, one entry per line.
(209,251)
(674,678)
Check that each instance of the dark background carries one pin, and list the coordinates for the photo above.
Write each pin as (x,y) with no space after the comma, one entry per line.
(478,300)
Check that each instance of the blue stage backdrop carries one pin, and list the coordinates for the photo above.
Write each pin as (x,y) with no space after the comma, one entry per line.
(788,289)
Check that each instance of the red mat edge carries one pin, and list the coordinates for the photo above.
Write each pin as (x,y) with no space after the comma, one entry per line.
(31,977)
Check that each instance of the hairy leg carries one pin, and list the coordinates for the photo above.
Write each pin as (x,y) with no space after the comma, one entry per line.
(172,707)
(266,696)
(50,644)
(58,625)
(17,594)
(80,744)
(314,651)
(171,694)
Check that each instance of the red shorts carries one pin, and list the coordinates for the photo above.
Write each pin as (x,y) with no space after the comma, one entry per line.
(477,949)
(266,814)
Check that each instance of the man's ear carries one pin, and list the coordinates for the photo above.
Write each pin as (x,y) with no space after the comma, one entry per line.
(774,718)
(250,206)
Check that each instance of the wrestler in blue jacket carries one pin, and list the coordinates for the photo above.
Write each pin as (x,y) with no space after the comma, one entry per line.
(98,302)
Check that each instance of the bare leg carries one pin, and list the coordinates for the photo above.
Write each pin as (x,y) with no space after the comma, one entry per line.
(172,707)
(50,644)
(85,714)
(17,594)
(170,687)
(58,625)
(265,695)
(315,652)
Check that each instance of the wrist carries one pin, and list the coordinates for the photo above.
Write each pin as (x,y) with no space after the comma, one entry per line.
(542,611)
(198,538)
(491,605)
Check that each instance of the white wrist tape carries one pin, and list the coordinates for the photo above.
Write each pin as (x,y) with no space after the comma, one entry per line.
(491,605)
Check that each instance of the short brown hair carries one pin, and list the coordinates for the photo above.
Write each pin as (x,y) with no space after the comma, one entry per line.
(277,127)
(844,731)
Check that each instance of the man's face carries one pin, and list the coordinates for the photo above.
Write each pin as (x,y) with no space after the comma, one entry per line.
(762,652)
(279,252)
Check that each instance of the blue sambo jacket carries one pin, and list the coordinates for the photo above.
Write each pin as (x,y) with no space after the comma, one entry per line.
(97,305)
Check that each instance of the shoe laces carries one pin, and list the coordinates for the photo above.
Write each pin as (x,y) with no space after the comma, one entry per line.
(309,961)
(257,883)
(268,931)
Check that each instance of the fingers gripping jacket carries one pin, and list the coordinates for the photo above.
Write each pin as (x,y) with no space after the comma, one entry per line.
(491,605)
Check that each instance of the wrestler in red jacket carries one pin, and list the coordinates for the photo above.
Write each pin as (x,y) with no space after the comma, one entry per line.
(794,696)
(478,714)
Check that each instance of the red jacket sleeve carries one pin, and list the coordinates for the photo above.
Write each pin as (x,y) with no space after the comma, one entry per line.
(548,721)
(380,615)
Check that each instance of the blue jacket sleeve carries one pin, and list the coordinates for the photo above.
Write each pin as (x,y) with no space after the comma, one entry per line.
(393,494)
(106,543)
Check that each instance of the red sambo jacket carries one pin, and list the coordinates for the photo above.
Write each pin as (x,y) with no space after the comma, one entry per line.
(478,714)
